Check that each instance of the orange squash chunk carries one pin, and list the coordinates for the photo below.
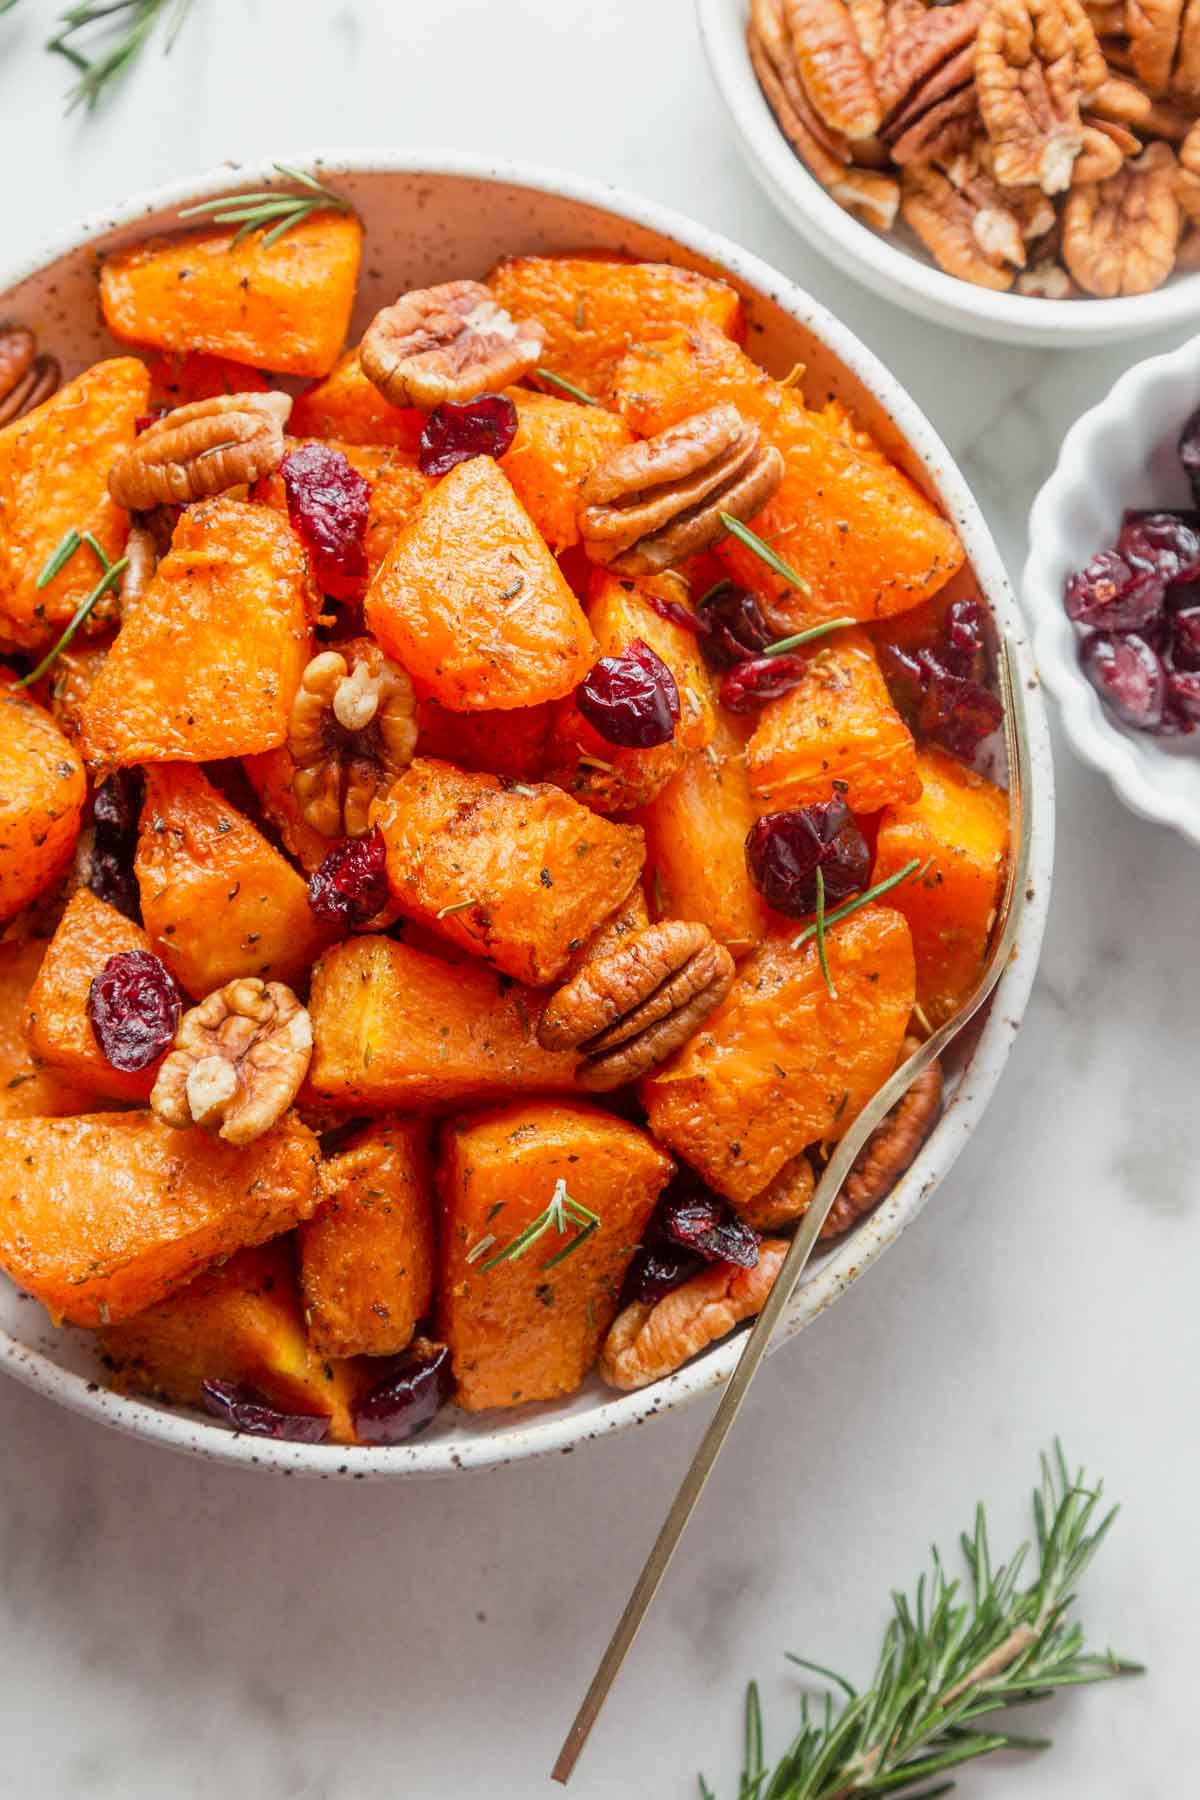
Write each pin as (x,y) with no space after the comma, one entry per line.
(350,408)
(847,520)
(397,489)
(27,1091)
(179,378)
(284,306)
(367,1254)
(218,900)
(108,1213)
(958,830)
(696,845)
(54,477)
(397,1030)
(592,308)
(510,744)
(781,1064)
(207,663)
(521,876)
(472,603)
(531,1328)
(242,1323)
(608,777)
(838,725)
(56,1018)
(558,442)
(42,790)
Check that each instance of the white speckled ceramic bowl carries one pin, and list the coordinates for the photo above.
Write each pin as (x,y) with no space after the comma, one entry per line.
(1120,454)
(430,217)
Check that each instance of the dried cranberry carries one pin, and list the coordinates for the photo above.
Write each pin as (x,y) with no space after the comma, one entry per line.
(784,850)
(133,1005)
(677,613)
(1168,541)
(246,1410)
(658,1269)
(736,626)
(414,1390)
(1183,698)
(457,430)
(116,809)
(1115,592)
(145,420)
(698,1220)
(1185,637)
(631,699)
(329,504)
(959,715)
(1129,677)
(1189,452)
(750,684)
(966,640)
(351,885)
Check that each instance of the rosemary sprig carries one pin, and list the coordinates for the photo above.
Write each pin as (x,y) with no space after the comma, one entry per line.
(559,1215)
(946,1662)
(819,928)
(820,925)
(763,551)
(568,387)
(268,207)
(125,26)
(782,645)
(60,556)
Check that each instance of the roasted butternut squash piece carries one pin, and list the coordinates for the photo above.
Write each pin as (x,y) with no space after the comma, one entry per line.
(207,664)
(397,489)
(179,378)
(696,845)
(42,790)
(242,1323)
(593,307)
(56,1017)
(217,899)
(284,306)
(27,1091)
(838,725)
(108,1213)
(398,1030)
(510,744)
(367,1253)
(847,520)
(521,876)
(958,830)
(350,408)
(781,1063)
(54,478)
(530,1327)
(558,442)
(472,603)
(609,778)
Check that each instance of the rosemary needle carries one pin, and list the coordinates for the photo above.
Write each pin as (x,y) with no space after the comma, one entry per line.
(764,552)
(58,559)
(268,207)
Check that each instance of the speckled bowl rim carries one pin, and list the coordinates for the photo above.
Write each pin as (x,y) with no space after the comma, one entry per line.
(887,267)
(546,1434)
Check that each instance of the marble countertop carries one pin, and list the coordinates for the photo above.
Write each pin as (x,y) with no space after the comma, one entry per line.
(175,1629)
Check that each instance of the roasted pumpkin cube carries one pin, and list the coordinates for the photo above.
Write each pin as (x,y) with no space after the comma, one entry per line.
(42,790)
(207,664)
(530,1327)
(184,376)
(837,725)
(593,307)
(609,777)
(27,1091)
(958,831)
(54,467)
(782,1063)
(397,489)
(217,899)
(108,1213)
(398,1030)
(510,744)
(242,1323)
(519,875)
(56,1016)
(283,306)
(696,845)
(367,1253)
(350,408)
(558,443)
(472,603)
(845,519)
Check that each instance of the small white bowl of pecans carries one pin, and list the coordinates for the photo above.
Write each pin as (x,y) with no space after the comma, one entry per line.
(1025,170)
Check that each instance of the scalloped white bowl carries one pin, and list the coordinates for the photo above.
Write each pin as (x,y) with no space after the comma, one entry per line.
(1119,454)
(431,216)
(897,267)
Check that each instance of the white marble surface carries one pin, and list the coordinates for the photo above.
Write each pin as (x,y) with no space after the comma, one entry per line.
(174,1629)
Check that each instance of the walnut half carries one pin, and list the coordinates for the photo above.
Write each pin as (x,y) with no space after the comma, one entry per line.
(352,731)
(238,1062)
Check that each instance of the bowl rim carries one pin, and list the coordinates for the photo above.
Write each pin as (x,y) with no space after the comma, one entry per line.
(889,268)
(546,1433)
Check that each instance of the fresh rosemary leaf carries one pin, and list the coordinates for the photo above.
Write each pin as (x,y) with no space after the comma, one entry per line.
(114,34)
(764,552)
(111,573)
(819,928)
(59,557)
(781,645)
(269,207)
(561,1213)
(568,387)
(851,906)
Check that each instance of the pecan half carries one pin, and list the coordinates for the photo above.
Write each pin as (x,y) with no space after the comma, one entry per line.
(833,66)
(201,449)
(890,1148)
(1046,281)
(1120,235)
(945,221)
(652,504)
(238,1062)
(26,378)
(870,196)
(1185,79)
(924,64)
(1123,102)
(1153,29)
(141,551)
(627,1011)
(1187,178)
(647,1341)
(449,342)
(1188,254)
(352,731)
(1036,63)
(1102,154)
(823,152)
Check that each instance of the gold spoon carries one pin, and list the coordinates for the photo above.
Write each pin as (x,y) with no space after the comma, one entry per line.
(1003,936)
